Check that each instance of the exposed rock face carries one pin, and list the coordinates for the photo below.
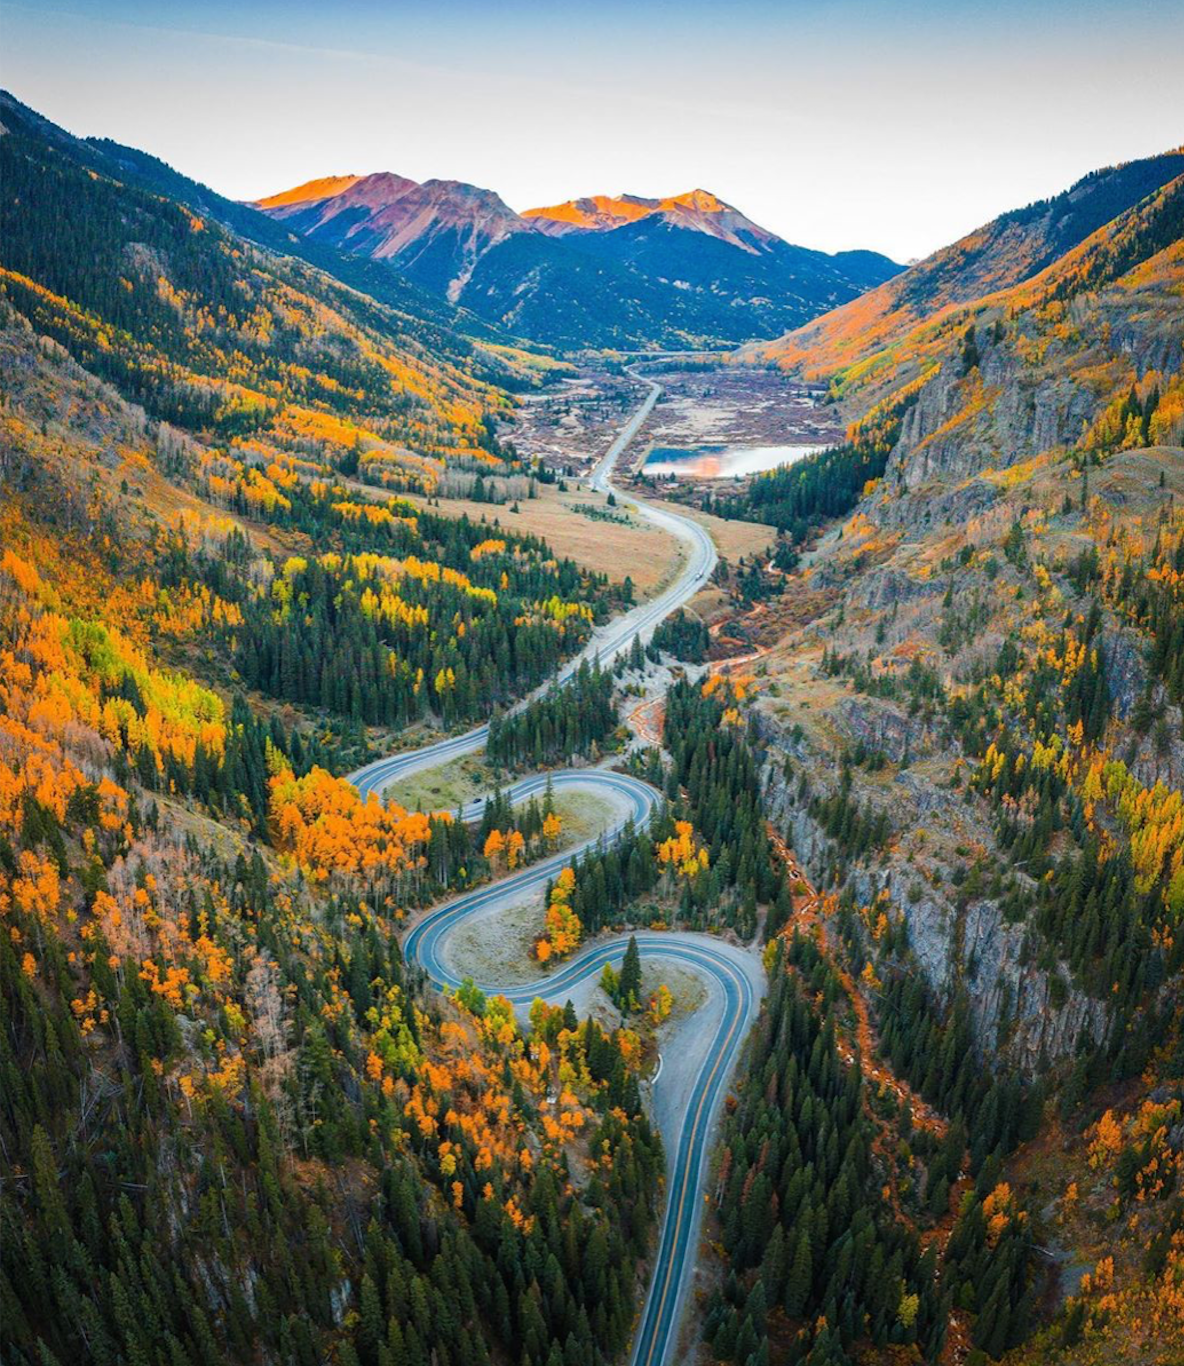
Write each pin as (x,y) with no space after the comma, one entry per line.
(882,726)
(440,229)
(951,433)
(1026,389)
(944,505)
(1126,671)
(593,213)
(1011,1001)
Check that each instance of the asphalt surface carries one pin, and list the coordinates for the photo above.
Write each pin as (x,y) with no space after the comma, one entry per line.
(606,643)
(699,1059)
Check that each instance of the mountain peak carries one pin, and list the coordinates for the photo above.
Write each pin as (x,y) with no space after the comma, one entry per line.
(703,201)
(444,225)
(380,192)
(690,264)
(702,211)
(696,210)
(324,188)
(593,213)
(333,193)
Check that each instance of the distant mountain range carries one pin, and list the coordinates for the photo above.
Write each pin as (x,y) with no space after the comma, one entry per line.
(685,271)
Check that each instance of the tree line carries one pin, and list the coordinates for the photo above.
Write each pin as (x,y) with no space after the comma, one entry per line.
(807,1233)
(573,718)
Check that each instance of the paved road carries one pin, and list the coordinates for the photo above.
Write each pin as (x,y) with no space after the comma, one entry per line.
(709,1042)
(606,643)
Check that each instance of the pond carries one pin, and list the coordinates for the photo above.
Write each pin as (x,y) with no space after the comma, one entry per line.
(721,462)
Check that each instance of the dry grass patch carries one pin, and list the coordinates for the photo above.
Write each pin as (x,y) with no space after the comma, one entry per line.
(617,549)
(732,539)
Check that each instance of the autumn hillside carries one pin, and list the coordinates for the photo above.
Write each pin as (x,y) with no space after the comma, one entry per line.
(234,1125)
(1010,249)
(919,746)
(449,329)
(970,677)
(1070,343)
(1082,359)
(218,335)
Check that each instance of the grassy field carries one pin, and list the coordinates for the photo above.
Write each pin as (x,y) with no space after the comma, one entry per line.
(650,556)
(612,548)
(444,788)
(732,539)
(500,946)
(584,815)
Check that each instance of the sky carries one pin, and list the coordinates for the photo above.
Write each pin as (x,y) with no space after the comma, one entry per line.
(897,126)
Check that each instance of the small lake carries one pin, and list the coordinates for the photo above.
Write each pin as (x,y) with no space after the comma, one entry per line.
(721,462)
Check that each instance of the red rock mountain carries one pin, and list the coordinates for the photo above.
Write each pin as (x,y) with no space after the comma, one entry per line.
(441,226)
(688,270)
(308,192)
(697,210)
(597,213)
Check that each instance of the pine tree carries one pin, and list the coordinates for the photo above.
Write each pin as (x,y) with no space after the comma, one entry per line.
(799,1281)
(629,982)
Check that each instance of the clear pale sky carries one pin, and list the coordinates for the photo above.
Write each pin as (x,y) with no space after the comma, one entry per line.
(836,123)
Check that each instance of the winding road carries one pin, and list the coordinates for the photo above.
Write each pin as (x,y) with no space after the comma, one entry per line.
(699,1058)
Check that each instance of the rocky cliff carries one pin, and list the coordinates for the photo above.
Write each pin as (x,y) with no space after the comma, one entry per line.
(960,945)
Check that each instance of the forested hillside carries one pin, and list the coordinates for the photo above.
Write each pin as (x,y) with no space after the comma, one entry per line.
(235,1126)
(220,337)
(975,750)
(1082,357)
(1009,250)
